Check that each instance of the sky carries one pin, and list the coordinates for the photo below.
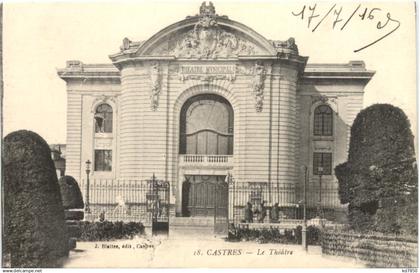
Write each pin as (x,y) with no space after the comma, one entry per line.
(41,37)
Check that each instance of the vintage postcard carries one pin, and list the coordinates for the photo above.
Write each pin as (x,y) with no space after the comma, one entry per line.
(224,134)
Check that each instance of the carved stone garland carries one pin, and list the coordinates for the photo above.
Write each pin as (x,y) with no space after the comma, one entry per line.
(155,85)
(258,85)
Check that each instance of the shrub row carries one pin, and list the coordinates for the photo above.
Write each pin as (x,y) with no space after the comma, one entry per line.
(105,231)
(274,235)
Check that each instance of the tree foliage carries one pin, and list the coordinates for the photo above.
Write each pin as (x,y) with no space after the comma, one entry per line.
(379,180)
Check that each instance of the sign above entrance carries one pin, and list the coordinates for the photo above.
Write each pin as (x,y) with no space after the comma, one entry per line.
(207,72)
(208,69)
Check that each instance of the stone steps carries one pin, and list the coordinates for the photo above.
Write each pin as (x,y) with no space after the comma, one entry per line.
(190,222)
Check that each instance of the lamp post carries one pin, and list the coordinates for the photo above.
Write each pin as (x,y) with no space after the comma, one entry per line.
(320,172)
(87,208)
(231,199)
(305,224)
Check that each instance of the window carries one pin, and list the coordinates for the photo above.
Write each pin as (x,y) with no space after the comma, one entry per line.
(323,160)
(323,121)
(206,126)
(103,160)
(103,118)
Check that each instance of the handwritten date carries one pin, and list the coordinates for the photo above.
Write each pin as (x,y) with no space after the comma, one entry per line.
(312,15)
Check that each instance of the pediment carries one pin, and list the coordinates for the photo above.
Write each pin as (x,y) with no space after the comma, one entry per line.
(207,38)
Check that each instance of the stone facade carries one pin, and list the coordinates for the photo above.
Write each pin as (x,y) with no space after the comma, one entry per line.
(272,90)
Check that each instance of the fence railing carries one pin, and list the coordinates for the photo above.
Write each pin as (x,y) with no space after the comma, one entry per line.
(289,197)
(111,191)
(127,199)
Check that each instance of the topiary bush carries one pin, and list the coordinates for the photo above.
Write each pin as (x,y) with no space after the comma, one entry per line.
(34,228)
(105,231)
(379,180)
(72,203)
(70,193)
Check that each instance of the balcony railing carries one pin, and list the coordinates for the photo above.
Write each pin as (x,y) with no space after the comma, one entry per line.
(206,160)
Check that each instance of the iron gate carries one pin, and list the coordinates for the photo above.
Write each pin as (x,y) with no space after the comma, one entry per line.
(158,205)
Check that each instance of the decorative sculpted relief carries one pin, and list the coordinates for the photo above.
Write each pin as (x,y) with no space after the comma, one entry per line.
(289,44)
(207,40)
(324,99)
(103,99)
(155,85)
(258,85)
(321,98)
(331,101)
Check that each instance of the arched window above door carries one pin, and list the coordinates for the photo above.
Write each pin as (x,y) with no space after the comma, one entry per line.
(103,118)
(206,126)
(323,121)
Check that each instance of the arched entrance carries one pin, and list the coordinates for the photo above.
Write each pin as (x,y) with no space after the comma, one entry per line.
(206,131)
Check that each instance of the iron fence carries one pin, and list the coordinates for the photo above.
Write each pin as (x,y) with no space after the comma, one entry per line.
(129,200)
(288,196)
(124,200)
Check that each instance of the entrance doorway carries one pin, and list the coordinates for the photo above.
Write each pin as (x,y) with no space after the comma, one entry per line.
(202,195)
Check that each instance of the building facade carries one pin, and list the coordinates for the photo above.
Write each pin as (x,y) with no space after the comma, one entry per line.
(208,98)
(58,155)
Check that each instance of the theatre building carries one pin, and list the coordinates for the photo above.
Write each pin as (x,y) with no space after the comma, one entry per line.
(204,102)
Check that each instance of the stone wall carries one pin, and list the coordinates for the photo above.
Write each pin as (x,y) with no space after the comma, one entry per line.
(372,250)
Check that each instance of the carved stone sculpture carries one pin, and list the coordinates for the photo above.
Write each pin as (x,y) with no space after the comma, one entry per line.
(126,44)
(258,85)
(156,86)
(207,9)
(207,40)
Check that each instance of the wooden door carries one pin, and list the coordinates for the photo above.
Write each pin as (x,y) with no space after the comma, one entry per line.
(201,194)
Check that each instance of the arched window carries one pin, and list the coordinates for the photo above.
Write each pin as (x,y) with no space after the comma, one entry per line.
(206,126)
(103,118)
(323,121)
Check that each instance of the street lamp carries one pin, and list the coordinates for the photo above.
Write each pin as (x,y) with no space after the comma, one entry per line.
(305,224)
(320,172)
(230,181)
(87,208)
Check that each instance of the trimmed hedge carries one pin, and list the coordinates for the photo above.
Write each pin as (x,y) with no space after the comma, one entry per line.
(105,231)
(34,230)
(70,193)
(379,180)
(274,235)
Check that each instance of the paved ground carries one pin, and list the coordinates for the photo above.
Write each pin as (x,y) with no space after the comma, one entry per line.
(189,249)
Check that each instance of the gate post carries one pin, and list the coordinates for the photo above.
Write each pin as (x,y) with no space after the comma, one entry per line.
(160,205)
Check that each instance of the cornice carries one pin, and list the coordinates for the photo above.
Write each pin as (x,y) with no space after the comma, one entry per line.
(78,70)
(351,71)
